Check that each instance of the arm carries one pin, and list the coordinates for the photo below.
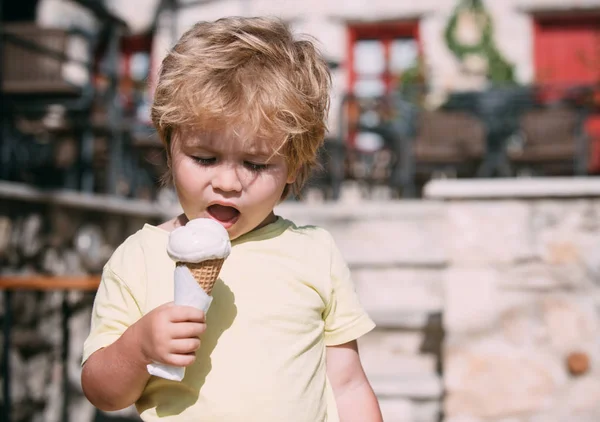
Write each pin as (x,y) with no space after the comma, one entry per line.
(121,360)
(168,334)
(353,393)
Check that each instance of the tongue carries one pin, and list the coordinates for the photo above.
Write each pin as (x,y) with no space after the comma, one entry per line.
(222,213)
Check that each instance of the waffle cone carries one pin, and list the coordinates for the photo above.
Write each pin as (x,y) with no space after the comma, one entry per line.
(205,272)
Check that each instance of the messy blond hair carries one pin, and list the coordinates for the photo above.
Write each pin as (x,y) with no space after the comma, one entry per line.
(248,71)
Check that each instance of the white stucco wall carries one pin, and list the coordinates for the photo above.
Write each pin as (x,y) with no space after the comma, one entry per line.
(328,20)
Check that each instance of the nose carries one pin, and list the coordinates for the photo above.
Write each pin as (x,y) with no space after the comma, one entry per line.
(226,179)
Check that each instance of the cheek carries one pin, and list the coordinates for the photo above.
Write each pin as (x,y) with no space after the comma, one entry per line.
(187,178)
(270,188)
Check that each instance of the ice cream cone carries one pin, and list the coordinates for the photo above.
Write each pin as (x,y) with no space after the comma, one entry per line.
(205,273)
(202,245)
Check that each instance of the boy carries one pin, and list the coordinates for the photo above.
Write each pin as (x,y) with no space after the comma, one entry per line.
(240,106)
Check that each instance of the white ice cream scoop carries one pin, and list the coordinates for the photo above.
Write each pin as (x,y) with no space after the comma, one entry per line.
(199,240)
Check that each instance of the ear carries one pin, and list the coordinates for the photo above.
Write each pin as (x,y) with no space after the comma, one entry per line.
(292,178)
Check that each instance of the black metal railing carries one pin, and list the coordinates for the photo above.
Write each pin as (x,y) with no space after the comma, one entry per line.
(503,131)
(34,60)
(12,284)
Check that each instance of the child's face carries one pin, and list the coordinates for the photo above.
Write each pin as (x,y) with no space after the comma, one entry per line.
(235,182)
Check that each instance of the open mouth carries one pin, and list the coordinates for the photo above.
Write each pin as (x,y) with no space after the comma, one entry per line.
(223,214)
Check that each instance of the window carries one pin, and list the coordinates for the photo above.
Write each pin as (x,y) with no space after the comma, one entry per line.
(378,54)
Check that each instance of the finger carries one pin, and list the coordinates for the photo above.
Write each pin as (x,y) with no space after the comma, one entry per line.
(183,346)
(187,330)
(180,359)
(186,314)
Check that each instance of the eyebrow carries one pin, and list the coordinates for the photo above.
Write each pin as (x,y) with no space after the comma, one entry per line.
(262,153)
(208,146)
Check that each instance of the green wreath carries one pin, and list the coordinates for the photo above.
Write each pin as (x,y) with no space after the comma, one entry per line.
(499,70)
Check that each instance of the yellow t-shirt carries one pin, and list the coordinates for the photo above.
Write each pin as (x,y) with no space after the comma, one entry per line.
(284,293)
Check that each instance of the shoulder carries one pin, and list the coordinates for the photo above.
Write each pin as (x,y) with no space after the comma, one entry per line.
(132,257)
(312,243)
(309,235)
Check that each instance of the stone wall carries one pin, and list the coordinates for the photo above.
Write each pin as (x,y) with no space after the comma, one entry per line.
(521,290)
(35,356)
(485,297)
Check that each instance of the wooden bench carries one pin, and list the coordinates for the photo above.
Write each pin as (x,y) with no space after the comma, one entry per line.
(550,142)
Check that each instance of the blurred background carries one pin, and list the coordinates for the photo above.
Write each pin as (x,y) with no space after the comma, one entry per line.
(459,177)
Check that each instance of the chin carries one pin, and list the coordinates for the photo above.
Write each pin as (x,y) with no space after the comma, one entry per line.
(234,233)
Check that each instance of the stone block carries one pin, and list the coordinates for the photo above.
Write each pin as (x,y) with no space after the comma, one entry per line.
(385,233)
(402,410)
(54,394)
(397,341)
(129,413)
(488,233)
(413,387)
(470,299)
(79,328)
(39,374)
(396,367)
(398,319)
(50,326)
(553,416)
(567,240)
(572,215)
(572,322)
(80,409)
(495,381)
(561,323)
(397,410)
(18,372)
(399,290)
(394,242)
(540,276)
(519,321)
(385,362)
(476,419)
(580,402)
(427,411)
(583,396)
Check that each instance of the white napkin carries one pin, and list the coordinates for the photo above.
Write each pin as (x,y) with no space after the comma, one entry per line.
(187,293)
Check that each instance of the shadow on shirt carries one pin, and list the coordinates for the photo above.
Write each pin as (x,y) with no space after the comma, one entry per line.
(181,395)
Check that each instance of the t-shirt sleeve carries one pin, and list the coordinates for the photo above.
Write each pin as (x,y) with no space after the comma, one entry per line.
(345,318)
(115,307)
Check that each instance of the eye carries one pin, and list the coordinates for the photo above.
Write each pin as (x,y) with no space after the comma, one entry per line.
(256,167)
(204,161)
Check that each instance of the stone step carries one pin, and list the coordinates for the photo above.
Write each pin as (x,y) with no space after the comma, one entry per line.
(390,353)
(414,387)
(400,290)
(399,366)
(402,410)
(361,231)
(398,319)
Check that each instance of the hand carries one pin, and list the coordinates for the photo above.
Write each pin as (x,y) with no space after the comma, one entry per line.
(170,334)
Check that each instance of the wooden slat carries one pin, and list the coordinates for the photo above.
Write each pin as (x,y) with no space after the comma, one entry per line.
(39,87)
(80,200)
(49,283)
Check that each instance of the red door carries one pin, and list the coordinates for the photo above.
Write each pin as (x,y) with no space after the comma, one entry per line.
(378,54)
(567,53)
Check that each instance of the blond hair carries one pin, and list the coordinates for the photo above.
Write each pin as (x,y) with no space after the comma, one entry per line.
(248,70)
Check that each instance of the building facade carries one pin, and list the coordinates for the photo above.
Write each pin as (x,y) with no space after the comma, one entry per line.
(372,43)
